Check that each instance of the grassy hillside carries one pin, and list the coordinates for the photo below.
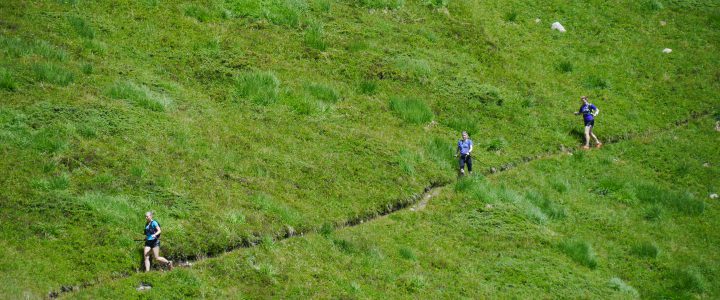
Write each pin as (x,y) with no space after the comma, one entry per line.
(242,120)
(605,224)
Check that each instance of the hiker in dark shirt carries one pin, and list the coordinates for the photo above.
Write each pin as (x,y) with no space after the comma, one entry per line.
(464,147)
(152,242)
(589,111)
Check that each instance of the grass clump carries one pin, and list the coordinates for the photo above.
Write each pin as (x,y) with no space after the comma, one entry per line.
(412,110)
(261,88)
(323,92)
(7,81)
(277,210)
(138,95)
(646,249)
(367,87)
(620,286)
(200,13)
(82,27)
(565,67)
(597,82)
(680,201)
(314,36)
(497,144)
(436,3)
(49,51)
(462,123)
(511,16)
(580,251)
(52,73)
(653,5)
(382,4)
(407,160)
(407,253)
(407,68)
(547,206)
(280,12)
(688,280)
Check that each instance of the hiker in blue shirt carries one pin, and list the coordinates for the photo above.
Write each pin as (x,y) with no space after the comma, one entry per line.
(152,242)
(589,111)
(464,147)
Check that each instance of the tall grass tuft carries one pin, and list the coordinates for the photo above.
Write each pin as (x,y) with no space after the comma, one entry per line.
(314,36)
(580,251)
(565,67)
(275,209)
(138,95)
(200,13)
(82,27)
(51,73)
(407,160)
(645,249)
(653,5)
(546,205)
(559,184)
(407,253)
(412,110)
(382,4)
(439,152)
(596,82)
(497,144)
(436,3)
(407,68)
(653,213)
(620,286)
(323,92)
(261,88)
(680,201)
(49,51)
(511,16)
(463,123)
(688,280)
(7,81)
(368,87)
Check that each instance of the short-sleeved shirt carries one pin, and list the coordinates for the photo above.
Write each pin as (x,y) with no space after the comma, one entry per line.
(587,111)
(464,146)
(150,229)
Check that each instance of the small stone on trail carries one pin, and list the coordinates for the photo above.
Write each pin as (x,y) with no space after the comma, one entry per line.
(707,165)
(663,23)
(488,206)
(667,50)
(143,287)
(557,26)
(493,170)
(537,20)
(713,196)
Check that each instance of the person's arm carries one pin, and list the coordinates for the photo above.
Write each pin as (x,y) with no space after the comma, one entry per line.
(471,147)
(155,235)
(596,112)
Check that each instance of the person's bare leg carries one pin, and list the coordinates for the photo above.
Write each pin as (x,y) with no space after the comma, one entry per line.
(146,255)
(597,142)
(156,253)
(587,136)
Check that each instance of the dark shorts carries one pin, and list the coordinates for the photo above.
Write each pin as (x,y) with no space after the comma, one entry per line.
(590,123)
(465,160)
(152,243)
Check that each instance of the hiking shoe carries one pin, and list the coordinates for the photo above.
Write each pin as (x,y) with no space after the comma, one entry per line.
(170,265)
(598,145)
(585,147)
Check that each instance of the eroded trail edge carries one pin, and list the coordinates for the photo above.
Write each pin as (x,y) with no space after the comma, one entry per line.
(415,202)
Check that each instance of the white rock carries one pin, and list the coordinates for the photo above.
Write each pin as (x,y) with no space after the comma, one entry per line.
(713,196)
(663,23)
(557,26)
(537,20)
(667,50)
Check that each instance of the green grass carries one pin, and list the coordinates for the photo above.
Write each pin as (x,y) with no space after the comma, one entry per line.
(411,110)
(139,95)
(7,81)
(646,249)
(261,88)
(581,252)
(52,73)
(242,121)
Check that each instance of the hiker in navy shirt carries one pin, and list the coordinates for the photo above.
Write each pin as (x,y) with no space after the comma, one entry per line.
(589,111)
(464,147)
(152,242)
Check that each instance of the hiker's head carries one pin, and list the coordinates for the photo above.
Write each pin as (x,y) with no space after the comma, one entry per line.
(465,135)
(584,99)
(148,216)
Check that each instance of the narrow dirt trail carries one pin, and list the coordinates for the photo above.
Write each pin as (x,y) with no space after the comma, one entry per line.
(416,202)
